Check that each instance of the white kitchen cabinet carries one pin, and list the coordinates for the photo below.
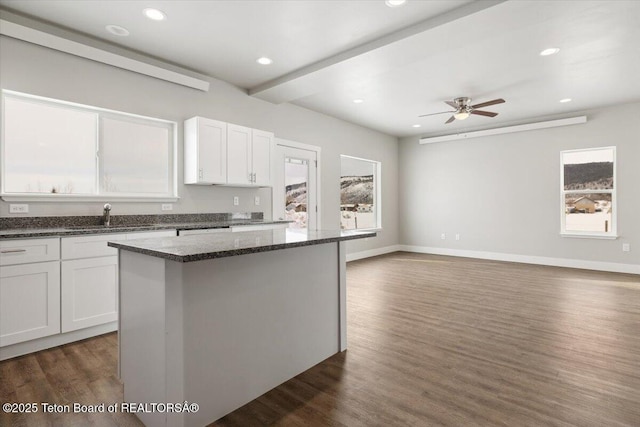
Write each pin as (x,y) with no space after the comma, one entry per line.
(250,153)
(205,151)
(89,246)
(29,301)
(89,292)
(89,287)
(25,251)
(259,227)
(262,157)
(216,152)
(239,155)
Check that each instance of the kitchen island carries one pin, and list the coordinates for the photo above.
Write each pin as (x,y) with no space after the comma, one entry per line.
(220,320)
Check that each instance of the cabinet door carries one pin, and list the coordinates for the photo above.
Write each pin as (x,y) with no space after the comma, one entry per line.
(205,151)
(89,292)
(238,155)
(29,302)
(262,157)
(212,151)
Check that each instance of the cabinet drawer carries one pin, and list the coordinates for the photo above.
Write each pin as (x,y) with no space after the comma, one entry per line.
(204,231)
(151,234)
(259,227)
(89,246)
(29,250)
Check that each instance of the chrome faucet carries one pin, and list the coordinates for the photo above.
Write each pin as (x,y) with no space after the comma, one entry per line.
(106,215)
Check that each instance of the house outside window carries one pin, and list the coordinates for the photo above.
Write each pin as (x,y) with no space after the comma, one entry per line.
(588,192)
(360,193)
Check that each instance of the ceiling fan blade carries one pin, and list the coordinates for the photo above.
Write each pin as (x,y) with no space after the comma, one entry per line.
(433,114)
(452,118)
(486,104)
(451,104)
(484,113)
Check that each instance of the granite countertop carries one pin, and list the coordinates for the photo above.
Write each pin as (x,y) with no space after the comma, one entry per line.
(202,247)
(65,226)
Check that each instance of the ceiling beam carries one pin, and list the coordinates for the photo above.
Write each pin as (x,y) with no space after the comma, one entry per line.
(36,32)
(309,80)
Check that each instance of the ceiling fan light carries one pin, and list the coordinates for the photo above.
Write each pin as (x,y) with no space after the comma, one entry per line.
(461,115)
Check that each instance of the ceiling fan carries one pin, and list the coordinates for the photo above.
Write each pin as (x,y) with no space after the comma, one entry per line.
(463,109)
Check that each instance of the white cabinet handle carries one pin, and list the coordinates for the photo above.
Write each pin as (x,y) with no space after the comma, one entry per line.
(200,173)
(12,251)
(254,177)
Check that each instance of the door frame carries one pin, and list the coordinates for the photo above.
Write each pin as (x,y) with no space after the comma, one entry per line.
(308,147)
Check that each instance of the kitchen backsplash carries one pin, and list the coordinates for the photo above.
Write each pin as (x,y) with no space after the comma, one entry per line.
(116,220)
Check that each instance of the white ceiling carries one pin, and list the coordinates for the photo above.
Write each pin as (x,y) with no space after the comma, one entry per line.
(403,62)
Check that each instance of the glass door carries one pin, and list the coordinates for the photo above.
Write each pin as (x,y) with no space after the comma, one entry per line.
(295,187)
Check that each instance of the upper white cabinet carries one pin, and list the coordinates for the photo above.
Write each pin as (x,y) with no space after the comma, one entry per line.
(224,153)
(261,157)
(205,151)
(239,155)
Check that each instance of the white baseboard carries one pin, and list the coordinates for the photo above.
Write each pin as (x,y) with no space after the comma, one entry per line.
(373,252)
(38,344)
(527,259)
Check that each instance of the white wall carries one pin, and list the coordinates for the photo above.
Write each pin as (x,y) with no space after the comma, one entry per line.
(501,193)
(40,71)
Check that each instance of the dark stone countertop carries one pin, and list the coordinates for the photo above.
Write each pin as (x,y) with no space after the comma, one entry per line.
(203,247)
(66,231)
(63,226)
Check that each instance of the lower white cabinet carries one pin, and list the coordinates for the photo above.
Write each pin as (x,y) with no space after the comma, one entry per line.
(89,292)
(29,301)
(57,290)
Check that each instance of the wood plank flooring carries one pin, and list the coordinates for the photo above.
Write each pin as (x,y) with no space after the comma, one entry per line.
(433,341)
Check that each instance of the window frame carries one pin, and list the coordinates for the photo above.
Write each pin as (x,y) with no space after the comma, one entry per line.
(613,231)
(377,192)
(97,195)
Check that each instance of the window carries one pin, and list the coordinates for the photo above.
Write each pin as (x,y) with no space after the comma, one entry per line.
(61,151)
(360,193)
(588,192)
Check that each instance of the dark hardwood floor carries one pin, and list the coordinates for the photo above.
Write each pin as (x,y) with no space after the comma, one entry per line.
(432,341)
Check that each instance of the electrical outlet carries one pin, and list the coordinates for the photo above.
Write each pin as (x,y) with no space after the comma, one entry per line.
(236,200)
(18,208)
(256,200)
(457,236)
(443,236)
(626,247)
(167,207)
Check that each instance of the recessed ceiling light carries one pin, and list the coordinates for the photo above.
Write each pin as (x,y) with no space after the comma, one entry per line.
(395,3)
(154,14)
(264,60)
(565,100)
(415,126)
(117,30)
(550,51)
(358,101)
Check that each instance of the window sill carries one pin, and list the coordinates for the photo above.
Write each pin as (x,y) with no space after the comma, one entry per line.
(589,236)
(68,198)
